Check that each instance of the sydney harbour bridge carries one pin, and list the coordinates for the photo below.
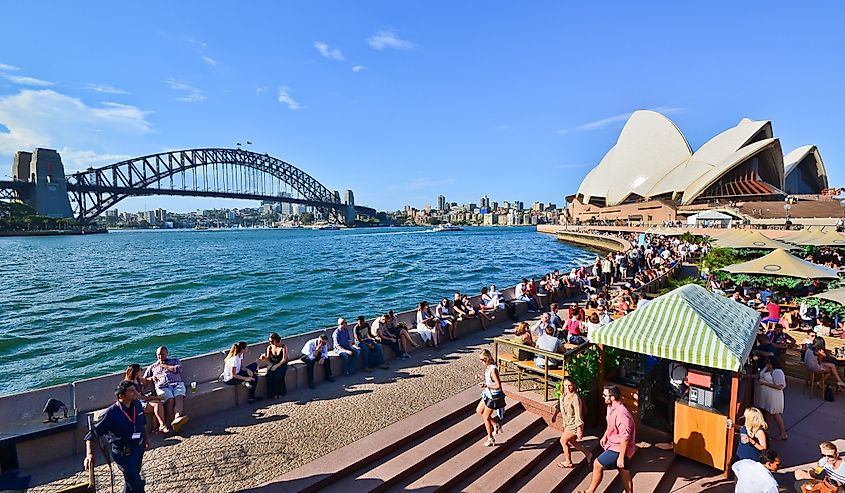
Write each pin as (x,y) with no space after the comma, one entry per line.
(39,181)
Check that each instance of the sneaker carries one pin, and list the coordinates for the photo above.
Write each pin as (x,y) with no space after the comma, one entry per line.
(248,385)
(179,422)
(490,442)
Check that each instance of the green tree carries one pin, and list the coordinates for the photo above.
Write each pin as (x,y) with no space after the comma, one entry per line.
(306,218)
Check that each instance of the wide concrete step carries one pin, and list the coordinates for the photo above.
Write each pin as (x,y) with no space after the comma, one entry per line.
(547,476)
(649,468)
(472,456)
(517,460)
(388,470)
(340,466)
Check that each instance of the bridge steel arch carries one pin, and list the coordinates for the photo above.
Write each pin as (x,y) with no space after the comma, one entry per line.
(95,190)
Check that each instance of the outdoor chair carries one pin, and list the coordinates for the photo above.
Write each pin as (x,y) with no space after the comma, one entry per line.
(814,377)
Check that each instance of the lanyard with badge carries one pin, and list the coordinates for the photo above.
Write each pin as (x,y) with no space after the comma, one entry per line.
(136,435)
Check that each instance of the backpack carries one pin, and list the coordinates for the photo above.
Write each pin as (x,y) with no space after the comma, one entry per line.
(828,394)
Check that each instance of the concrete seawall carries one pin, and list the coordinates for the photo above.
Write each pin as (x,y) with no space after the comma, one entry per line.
(604,243)
(93,394)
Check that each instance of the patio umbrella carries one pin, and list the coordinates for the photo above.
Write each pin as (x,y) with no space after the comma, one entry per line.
(751,239)
(835,295)
(823,239)
(690,325)
(782,263)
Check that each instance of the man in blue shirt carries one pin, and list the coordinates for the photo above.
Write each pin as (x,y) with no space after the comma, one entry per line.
(344,348)
(122,424)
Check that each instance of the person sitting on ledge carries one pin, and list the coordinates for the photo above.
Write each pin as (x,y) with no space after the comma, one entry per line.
(400,331)
(235,374)
(443,314)
(314,351)
(462,308)
(343,346)
(521,293)
(370,351)
(427,326)
(150,403)
(167,375)
(276,355)
(384,337)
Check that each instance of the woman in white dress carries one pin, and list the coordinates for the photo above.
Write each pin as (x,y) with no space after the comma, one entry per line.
(769,396)
(427,326)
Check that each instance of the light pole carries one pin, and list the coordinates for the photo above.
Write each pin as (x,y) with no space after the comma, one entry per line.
(787,207)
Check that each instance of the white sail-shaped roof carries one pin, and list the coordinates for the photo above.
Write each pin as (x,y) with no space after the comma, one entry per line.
(651,158)
(631,167)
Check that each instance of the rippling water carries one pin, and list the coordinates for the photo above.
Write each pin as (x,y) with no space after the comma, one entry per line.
(80,306)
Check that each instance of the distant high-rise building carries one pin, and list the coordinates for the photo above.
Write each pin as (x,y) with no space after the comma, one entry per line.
(494,206)
(160,215)
(428,208)
(506,205)
(441,203)
(485,202)
(518,205)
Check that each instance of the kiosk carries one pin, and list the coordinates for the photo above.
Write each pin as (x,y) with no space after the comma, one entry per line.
(682,358)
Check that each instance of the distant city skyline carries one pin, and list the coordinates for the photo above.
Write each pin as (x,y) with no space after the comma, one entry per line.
(400,103)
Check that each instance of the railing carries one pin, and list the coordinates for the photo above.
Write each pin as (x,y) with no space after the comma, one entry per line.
(531,366)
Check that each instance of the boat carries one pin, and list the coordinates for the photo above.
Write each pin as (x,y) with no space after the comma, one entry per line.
(326,227)
(200,227)
(446,227)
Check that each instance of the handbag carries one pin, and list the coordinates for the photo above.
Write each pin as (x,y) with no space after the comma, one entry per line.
(823,486)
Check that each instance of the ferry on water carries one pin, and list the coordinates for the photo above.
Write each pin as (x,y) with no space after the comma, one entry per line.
(447,227)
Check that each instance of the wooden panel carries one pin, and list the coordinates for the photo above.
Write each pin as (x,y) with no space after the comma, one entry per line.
(701,435)
(631,399)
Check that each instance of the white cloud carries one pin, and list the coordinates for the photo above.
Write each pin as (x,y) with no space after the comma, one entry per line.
(190,93)
(260,90)
(104,88)
(358,68)
(79,160)
(604,122)
(285,98)
(8,68)
(26,81)
(209,60)
(331,54)
(46,118)
(388,38)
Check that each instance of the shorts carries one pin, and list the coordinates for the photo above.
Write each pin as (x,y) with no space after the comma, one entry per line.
(171,390)
(494,400)
(608,459)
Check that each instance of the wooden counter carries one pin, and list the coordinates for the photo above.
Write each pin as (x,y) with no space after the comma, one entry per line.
(701,434)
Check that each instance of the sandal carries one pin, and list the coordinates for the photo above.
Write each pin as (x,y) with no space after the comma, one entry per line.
(564,465)
(490,442)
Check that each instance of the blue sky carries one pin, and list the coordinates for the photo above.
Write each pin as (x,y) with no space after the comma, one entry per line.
(402,101)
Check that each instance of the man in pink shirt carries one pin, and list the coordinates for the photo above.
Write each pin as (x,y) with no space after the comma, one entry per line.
(619,441)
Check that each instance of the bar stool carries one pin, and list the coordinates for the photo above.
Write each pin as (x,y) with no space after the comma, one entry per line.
(812,378)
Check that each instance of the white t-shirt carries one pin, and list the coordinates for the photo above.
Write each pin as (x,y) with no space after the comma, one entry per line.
(519,291)
(229,364)
(753,477)
(837,474)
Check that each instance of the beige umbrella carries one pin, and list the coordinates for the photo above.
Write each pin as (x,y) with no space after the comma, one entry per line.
(835,295)
(823,239)
(782,263)
(792,236)
(751,239)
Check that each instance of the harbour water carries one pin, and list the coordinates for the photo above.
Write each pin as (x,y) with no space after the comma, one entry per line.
(81,306)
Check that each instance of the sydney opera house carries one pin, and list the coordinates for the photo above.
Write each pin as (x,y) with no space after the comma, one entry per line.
(652,174)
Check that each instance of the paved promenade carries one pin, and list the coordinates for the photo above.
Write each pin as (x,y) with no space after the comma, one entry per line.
(252,444)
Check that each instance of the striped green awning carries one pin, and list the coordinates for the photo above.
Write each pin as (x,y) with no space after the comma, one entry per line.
(689,325)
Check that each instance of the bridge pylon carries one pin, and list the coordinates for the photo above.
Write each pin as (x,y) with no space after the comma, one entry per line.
(44,170)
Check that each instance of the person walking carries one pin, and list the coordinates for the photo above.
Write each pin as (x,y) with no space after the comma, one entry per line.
(124,421)
(769,397)
(492,404)
(619,441)
(572,409)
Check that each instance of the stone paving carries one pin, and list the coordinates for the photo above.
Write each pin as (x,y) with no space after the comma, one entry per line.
(250,445)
